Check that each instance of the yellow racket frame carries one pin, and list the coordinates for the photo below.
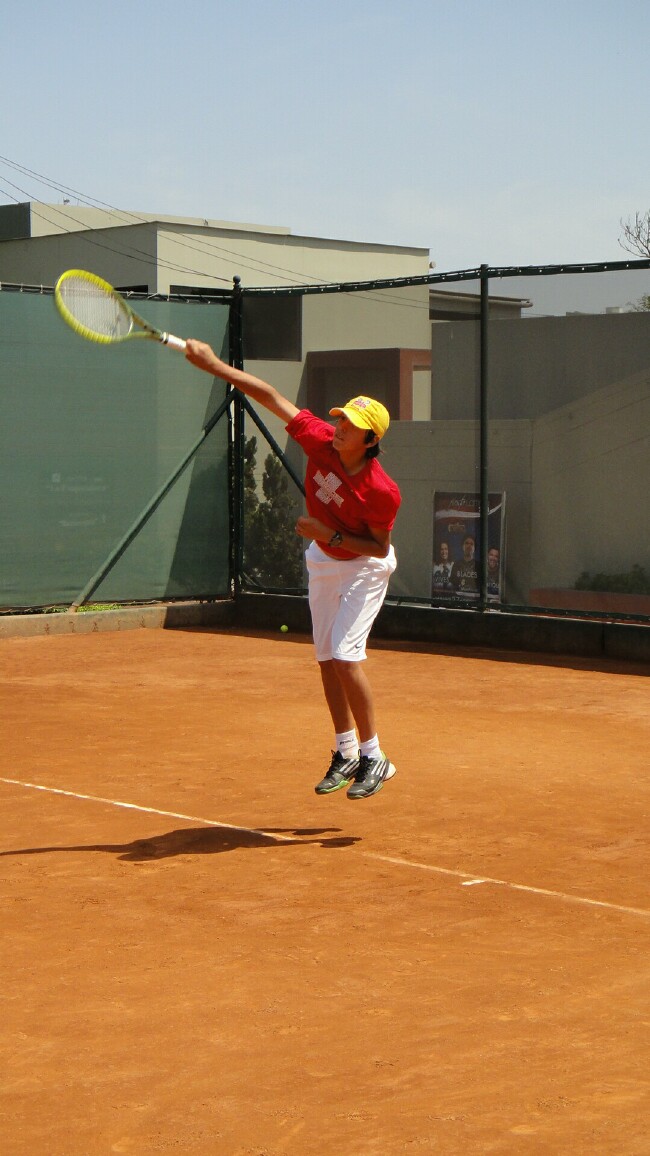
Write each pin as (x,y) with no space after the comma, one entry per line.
(138,327)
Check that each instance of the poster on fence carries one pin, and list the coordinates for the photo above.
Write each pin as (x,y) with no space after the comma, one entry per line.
(457,546)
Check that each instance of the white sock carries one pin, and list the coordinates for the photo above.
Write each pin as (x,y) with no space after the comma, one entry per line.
(347,744)
(371,748)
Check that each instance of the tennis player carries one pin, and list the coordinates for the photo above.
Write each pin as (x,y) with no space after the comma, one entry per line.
(351,508)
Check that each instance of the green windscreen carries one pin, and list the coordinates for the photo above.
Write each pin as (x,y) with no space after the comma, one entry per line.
(90,434)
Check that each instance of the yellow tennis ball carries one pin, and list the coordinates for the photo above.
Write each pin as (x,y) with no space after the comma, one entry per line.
(284,629)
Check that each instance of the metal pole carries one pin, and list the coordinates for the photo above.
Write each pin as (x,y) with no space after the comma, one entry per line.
(483,433)
(236,359)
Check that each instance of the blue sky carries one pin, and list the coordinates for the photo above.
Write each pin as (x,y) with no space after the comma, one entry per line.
(497,131)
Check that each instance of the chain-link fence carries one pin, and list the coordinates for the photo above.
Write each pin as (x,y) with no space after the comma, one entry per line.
(520,433)
(520,439)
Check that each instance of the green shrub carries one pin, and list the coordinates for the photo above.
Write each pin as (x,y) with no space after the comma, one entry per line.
(273,552)
(635,581)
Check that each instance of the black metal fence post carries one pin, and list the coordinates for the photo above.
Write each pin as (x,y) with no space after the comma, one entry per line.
(236,359)
(483,434)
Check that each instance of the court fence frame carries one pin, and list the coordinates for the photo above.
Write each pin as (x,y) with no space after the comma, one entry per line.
(485,275)
(481,623)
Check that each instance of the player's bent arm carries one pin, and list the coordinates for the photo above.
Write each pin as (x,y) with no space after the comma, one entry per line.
(376,545)
(204,357)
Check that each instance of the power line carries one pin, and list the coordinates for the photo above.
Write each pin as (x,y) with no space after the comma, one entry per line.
(131,253)
(129,218)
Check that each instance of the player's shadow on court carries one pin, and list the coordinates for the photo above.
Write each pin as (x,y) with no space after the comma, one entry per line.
(205,841)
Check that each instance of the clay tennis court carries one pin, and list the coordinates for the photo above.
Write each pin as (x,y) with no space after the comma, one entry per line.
(202,956)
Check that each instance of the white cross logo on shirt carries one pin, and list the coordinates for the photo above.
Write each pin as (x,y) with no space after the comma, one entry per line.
(328,487)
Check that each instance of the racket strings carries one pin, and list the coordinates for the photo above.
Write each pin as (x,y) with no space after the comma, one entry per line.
(95,309)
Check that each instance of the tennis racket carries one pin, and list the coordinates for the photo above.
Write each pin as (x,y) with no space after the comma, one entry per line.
(96,311)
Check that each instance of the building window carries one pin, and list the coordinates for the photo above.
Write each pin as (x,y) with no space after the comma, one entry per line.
(272,327)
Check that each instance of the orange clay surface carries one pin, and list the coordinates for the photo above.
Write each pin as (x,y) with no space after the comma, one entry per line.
(201,956)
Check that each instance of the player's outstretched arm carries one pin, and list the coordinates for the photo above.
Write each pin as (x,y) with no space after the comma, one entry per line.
(203,356)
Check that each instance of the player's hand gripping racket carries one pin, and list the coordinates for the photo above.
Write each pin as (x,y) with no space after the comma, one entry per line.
(96,311)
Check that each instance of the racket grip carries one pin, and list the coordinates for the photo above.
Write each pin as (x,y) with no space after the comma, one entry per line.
(173,342)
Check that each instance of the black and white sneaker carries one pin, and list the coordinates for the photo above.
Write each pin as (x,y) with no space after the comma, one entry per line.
(371,776)
(341,772)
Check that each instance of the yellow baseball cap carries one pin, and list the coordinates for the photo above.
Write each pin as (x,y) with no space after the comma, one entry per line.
(366,413)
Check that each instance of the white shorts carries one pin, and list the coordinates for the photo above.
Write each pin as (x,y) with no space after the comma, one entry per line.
(345,597)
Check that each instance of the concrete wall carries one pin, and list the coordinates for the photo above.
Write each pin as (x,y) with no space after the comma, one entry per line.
(576,481)
(424,457)
(561,637)
(536,364)
(377,319)
(591,481)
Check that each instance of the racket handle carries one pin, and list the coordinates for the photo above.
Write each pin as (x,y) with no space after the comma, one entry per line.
(173,342)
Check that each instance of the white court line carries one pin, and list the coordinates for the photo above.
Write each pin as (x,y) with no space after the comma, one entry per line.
(397,862)
(148,810)
(505,883)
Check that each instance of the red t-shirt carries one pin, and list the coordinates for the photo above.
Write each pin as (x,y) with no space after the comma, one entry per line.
(347,503)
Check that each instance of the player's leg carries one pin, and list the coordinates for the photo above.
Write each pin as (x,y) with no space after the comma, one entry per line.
(324,604)
(336,697)
(360,604)
(355,691)
(345,756)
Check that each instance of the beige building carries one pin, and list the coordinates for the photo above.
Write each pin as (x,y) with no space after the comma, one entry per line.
(163,254)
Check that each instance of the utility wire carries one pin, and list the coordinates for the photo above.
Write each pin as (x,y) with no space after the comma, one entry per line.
(131,218)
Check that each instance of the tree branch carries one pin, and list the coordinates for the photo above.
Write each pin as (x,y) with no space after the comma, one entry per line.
(635,237)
